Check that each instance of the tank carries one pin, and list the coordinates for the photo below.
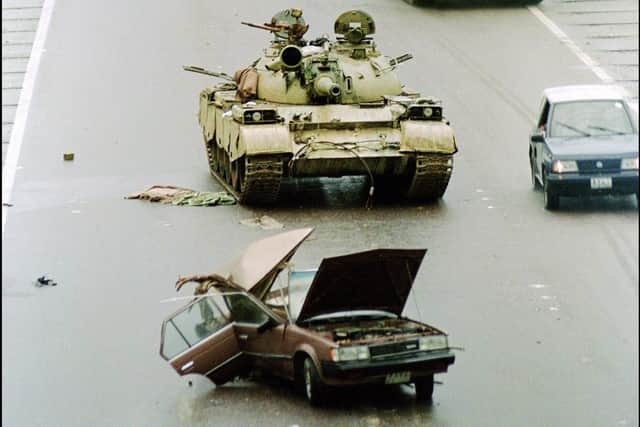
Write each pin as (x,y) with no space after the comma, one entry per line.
(323,108)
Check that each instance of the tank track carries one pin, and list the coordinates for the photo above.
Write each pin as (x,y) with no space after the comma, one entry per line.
(430,177)
(260,176)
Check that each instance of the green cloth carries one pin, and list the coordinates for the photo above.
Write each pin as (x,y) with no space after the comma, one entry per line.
(204,198)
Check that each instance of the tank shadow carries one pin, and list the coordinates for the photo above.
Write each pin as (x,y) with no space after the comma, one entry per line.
(345,192)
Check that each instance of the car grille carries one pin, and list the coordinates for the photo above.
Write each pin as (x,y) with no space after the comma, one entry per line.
(591,166)
(394,348)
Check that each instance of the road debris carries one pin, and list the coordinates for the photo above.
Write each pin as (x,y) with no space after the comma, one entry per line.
(43,281)
(265,222)
(179,196)
(68,156)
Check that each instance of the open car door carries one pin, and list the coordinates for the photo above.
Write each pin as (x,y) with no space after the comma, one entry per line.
(200,339)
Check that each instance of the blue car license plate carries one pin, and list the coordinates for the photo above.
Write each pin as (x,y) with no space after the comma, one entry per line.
(600,182)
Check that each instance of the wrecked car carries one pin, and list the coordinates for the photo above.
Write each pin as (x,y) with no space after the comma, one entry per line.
(340,324)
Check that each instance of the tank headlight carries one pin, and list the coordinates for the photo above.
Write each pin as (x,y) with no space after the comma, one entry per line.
(629,163)
(346,354)
(256,116)
(427,111)
(433,342)
(562,166)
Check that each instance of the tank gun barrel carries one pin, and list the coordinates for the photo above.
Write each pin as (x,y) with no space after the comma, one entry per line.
(400,59)
(269,27)
(201,70)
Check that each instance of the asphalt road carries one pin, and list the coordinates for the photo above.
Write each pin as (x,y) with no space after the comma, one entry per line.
(545,304)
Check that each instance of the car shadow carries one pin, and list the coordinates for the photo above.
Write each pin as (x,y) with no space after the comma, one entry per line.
(597,204)
(390,403)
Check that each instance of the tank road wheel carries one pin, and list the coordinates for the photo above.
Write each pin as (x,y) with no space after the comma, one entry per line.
(237,175)
(225,166)
(424,388)
(313,386)
(210,146)
(429,177)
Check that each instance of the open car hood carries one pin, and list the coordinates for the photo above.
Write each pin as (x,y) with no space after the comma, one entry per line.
(257,267)
(378,279)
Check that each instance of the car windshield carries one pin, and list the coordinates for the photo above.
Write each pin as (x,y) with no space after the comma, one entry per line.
(589,118)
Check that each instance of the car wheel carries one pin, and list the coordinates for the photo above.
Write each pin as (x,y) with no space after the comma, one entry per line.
(551,200)
(313,385)
(424,388)
(534,181)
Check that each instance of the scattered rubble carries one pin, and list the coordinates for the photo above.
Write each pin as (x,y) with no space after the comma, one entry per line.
(265,222)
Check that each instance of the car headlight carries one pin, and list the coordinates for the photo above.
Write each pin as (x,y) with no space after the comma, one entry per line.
(433,342)
(345,354)
(562,166)
(428,112)
(629,163)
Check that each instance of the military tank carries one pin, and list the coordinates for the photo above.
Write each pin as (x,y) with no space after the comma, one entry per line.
(323,108)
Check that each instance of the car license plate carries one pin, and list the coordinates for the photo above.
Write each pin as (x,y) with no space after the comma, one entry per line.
(599,182)
(398,378)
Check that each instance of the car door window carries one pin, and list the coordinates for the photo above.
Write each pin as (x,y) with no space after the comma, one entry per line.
(192,325)
(544,116)
(173,343)
(244,310)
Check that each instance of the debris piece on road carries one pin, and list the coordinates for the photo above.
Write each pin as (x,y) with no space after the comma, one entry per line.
(43,281)
(183,196)
(265,222)
(68,156)
(7,204)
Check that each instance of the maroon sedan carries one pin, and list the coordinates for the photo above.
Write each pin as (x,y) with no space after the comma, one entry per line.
(348,329)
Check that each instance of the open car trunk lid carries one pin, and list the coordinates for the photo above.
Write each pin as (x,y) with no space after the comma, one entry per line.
(378,279)
(257,267)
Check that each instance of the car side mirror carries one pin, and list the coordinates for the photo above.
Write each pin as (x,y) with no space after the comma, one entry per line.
(537,137)
(266,324)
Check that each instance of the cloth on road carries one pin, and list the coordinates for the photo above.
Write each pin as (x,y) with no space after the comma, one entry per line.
(183,196)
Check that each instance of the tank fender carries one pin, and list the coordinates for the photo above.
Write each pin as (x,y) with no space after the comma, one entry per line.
(427,136)
(262,139)
(207,114)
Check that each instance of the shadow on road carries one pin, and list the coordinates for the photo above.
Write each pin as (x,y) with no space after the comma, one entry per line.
(244,403)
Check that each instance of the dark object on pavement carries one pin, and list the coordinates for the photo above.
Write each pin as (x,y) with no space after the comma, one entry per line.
(585,143)
(43,281)
(339,325)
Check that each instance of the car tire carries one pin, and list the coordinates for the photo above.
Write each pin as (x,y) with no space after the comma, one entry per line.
(314,388)
(551,200)
(534,181)
(424,388)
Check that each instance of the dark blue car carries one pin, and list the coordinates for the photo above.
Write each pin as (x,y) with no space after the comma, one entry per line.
(585,143)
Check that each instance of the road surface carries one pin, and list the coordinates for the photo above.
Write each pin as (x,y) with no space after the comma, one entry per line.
(545,304)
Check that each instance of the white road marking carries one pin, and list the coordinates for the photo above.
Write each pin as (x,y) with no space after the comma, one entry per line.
(562,36)
(586,59)
(17,134)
